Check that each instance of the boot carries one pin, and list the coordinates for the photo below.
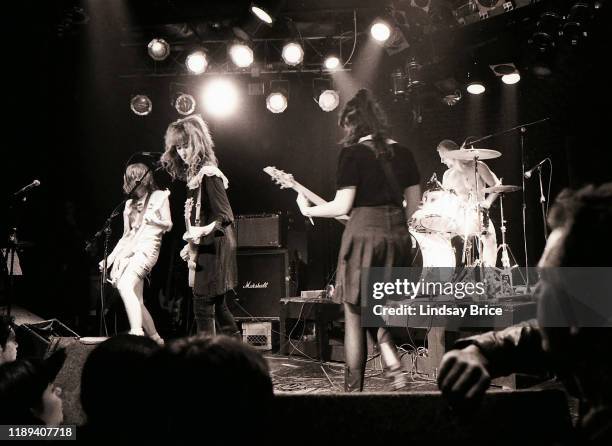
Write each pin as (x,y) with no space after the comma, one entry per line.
(399,377)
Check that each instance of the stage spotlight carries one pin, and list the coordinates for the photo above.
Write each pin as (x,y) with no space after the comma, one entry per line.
(380,31)
(262,13)
(331,62)
(276,102)
(196,62)
(293,54)
(329,100)
(510,79)
(474,81)
(158,49)
(220,97)
(185,104)
(475,87)
(141,105)
(241,54)
(507,71)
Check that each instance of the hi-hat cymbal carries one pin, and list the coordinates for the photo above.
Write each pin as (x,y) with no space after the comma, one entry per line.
(470,154)
(501,189)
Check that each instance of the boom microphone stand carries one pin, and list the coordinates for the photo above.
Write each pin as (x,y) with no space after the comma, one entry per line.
(523,131)
(12,245)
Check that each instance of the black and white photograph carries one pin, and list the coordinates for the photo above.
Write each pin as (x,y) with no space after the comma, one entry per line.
(306,222)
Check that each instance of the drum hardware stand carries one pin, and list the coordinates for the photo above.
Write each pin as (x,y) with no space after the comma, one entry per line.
(505,272)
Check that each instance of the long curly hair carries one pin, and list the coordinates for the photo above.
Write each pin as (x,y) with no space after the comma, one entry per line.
(362,116)
(192,131)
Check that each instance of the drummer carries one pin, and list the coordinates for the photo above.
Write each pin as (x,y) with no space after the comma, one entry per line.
(460,178)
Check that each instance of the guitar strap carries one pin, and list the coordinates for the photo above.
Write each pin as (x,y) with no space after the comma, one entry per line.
(198,207)
(144,209)
(396,194)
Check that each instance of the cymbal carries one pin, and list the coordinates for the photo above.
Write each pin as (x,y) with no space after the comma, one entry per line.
(501,189)
(470,154)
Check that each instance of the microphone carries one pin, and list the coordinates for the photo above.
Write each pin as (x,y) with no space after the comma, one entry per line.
(530,171)
(25,189)
(152,154)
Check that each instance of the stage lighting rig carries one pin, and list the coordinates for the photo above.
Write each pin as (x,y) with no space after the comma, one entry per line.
(507,71)
(241,54)
(184,104)
(141,105)
(158,49)
(293,53)
(278,98)
(196,62)
(220,97)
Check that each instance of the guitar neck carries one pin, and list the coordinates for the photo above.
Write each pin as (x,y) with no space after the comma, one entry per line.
(314,198)
(308,194)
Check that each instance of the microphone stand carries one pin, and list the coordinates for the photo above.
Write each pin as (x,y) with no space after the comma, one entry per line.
(523,130)
(106,230)
(524,209)
(11,250)
(542,201)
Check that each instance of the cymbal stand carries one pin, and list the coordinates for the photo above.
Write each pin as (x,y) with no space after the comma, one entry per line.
(506,270)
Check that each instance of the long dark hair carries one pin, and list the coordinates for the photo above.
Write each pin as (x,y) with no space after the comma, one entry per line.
(362,116)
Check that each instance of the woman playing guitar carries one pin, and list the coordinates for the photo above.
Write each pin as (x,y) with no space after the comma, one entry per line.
(211,248)
(375,175)
(146,217)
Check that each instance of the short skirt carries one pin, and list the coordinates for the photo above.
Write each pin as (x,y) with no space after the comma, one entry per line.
(375,236)
(140,264)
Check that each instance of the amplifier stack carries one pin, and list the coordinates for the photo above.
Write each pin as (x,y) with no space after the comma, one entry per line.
(263,276)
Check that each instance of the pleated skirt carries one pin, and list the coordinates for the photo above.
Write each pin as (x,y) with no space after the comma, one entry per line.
(375,236)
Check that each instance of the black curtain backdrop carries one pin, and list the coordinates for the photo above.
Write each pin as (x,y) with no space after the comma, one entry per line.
(67,122)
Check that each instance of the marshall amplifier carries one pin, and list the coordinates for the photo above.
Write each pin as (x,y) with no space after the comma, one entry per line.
(263,279)
(259,231)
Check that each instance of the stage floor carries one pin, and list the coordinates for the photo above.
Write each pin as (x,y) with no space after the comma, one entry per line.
(297,374)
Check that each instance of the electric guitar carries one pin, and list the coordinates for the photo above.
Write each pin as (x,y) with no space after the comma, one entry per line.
(286,181)
(192,246)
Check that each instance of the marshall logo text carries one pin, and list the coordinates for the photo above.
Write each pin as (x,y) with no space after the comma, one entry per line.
(253,285)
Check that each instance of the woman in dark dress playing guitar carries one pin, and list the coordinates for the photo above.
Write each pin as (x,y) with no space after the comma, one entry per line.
(211,240)
(375,174)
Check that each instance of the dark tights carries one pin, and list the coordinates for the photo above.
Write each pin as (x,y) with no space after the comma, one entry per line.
(355,346)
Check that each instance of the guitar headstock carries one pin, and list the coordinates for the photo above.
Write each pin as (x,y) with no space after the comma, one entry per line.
(283,179)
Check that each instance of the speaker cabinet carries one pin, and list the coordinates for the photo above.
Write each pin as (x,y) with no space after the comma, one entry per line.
(37,339)
(263,279)
(259,231)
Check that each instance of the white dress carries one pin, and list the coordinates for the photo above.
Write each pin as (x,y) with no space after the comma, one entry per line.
(138,248)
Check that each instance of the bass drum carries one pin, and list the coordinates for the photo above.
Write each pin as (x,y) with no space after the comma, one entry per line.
(435,256)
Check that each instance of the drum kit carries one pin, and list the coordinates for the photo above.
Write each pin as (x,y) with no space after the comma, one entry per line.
(443,218)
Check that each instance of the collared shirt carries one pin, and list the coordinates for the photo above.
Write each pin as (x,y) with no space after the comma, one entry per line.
(369,138)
